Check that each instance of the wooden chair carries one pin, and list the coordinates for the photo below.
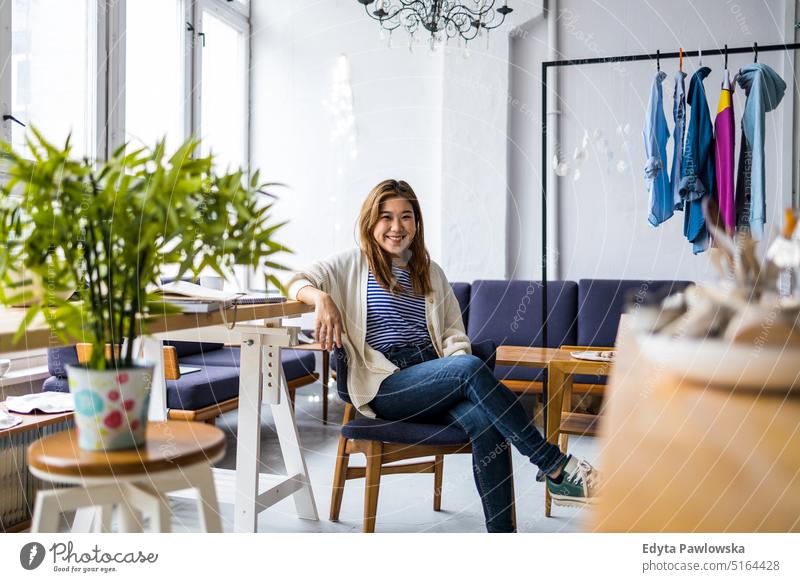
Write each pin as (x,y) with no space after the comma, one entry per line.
(384,443)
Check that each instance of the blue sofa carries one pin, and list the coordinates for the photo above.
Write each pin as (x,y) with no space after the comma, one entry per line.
(585,313)
(201,395)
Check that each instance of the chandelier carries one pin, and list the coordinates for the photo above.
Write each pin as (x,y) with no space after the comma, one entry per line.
(449,18)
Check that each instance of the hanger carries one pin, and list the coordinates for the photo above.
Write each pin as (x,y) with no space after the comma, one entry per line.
(680,59)
(700,57)
(755,52)
(658,60)
(726,57)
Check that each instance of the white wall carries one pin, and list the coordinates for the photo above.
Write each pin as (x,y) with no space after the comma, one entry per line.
(397,105)
(465,132)
(603,229)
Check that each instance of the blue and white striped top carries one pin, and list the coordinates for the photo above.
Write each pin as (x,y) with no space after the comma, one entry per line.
(395,320)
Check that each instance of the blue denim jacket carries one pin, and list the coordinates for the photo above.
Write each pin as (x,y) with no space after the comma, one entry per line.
(764,90)
(697,171)
(655,135)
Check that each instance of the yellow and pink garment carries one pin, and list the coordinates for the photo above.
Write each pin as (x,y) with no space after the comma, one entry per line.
(724,154)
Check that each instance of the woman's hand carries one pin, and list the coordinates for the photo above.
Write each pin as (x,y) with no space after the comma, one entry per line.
(329,322)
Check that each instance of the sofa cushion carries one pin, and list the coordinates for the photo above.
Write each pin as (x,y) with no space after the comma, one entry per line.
(296,363)
(59,358)
(212,384)
(509,312)
(601,302)
(412,433)
(462,292)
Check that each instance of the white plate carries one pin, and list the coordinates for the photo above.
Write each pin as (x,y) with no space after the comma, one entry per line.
(49,402)
(721,363)
(9,420)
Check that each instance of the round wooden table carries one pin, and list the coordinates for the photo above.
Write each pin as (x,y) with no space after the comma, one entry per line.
(176,455)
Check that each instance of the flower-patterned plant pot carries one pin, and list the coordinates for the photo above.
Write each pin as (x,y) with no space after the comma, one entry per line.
(110,406)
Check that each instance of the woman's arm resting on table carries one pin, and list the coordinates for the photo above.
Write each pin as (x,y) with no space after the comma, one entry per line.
(329,326)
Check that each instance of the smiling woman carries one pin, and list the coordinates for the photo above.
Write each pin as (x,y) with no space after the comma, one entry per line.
(392,310)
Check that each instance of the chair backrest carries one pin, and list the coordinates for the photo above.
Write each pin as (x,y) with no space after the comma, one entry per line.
(192,348)
(462,293)
(59,358)
(339,363)
(510,312)
(601,303)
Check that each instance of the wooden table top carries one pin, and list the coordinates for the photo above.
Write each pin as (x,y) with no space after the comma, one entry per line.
(168,445)
(32,421)
(38,334)
(682,457)
(527,357)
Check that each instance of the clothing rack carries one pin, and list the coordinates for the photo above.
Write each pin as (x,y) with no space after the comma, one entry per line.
(658,56)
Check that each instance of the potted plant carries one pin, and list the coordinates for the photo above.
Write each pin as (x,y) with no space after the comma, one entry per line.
(107,229)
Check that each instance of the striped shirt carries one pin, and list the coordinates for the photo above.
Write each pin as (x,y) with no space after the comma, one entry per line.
(395,320)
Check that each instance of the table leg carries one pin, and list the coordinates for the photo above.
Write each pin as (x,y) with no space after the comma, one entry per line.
(248,442)
(130,520)
(553,406)
(152,349)
(293,454)
(46,512)
(202,478)
(85,520)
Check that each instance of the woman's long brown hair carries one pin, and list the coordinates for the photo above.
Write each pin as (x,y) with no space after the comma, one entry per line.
(380,262)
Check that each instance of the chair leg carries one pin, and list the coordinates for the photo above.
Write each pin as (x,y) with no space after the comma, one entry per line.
(373,482)
(438,470)
(548,502)
(339,478)
(513,495)
(564,438)
(326,365)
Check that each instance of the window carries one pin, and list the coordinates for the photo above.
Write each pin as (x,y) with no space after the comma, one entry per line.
(223,96)
(53,58)
(155,105)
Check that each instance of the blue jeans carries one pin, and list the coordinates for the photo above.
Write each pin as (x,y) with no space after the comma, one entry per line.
(463,390)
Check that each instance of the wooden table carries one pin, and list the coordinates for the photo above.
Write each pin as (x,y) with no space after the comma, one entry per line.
(261,334)
(682,457)
(561,367)
(176,455)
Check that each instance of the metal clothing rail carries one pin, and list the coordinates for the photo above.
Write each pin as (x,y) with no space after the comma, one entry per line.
(657,56)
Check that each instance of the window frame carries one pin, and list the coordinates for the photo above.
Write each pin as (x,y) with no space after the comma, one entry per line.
(109,74)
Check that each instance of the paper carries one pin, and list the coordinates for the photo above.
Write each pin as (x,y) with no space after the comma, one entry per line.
(184,290)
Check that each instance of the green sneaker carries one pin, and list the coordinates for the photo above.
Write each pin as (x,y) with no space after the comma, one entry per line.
(578,485)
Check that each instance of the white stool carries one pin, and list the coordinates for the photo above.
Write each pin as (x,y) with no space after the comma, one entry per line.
(176,455)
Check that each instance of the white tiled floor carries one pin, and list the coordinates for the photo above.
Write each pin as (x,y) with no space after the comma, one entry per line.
(405,503)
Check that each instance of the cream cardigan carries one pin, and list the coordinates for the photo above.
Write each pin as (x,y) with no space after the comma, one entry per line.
(344,277)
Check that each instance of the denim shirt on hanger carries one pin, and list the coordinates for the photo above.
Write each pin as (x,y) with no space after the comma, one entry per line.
(679,116)
(697,171)
(655,135)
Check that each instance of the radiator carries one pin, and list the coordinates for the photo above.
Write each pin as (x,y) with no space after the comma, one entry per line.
(17,486)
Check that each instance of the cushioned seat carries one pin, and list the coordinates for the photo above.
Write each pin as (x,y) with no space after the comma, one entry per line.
(211,385)
(410,433)
(296,363)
